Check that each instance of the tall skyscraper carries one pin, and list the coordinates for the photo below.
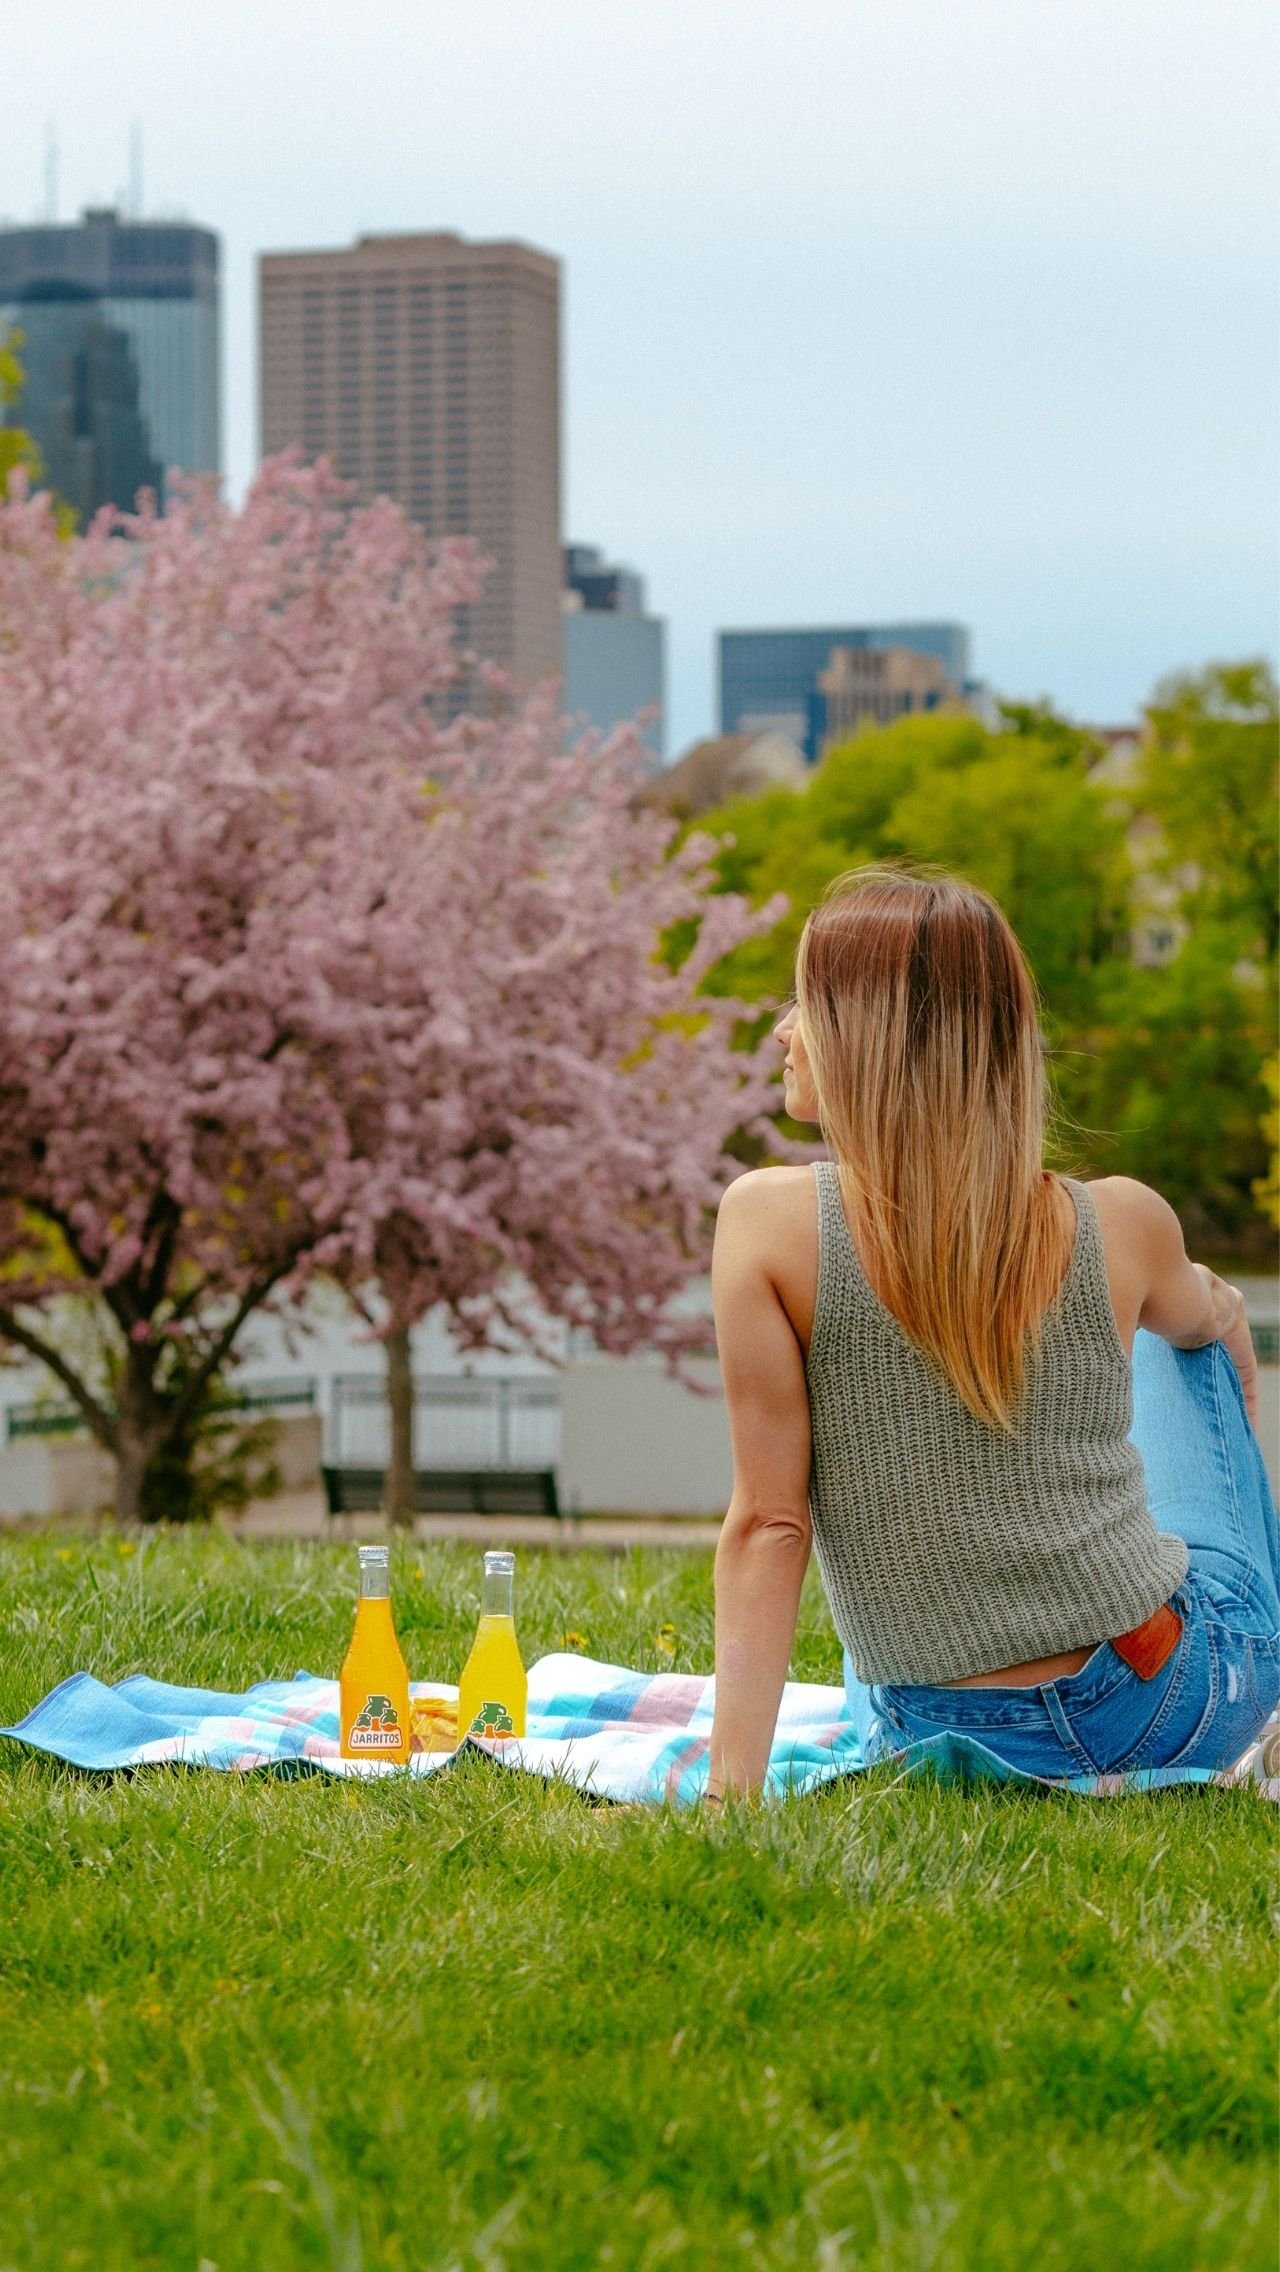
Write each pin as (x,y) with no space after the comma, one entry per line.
(614,653)
(769,679)
(119,347)
(428,370)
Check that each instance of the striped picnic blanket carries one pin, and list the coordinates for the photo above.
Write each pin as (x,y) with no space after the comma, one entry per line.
(610,1732)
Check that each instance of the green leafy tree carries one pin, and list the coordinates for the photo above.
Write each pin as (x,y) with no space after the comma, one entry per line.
(1016,810)
(1040,722)
(1207,1023)
(1159,1071)
(1266,1189)
(16,447)
(1047,844)
(1168,1085)
(1209,779)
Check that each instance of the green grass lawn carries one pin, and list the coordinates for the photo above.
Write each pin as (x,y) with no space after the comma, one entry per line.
(474,2022)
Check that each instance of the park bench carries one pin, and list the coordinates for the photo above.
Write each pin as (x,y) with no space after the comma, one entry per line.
(495,1441)
(447,1490)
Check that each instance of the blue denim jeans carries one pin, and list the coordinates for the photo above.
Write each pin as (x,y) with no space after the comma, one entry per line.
(1206,1481)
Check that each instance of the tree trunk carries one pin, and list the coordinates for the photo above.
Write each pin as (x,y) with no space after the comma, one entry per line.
(138,1438)
(400,1467)
(133,1454)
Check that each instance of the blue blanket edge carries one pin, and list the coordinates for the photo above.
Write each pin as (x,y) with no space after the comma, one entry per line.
(952,1757)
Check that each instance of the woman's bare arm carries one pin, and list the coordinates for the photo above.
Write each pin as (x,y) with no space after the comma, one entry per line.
(765,1542)
(1183,1301)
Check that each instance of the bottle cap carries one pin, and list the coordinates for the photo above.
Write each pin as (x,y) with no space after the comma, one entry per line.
(501,1565)
(371,1556)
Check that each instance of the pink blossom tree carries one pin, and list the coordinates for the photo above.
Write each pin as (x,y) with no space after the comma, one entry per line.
(296,979)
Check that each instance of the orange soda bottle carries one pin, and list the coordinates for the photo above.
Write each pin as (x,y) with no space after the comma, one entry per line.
(373,1686)
(493,1690)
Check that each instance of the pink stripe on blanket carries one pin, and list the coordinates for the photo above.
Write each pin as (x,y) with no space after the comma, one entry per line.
(696,1748)
(670,1700)
(243,1728)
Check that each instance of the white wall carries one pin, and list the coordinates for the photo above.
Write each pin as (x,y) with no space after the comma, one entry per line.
(72,1475)
(49,1475)
(634,1441)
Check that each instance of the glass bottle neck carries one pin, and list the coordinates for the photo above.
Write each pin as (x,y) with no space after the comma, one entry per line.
(375,1576)
(496,1595)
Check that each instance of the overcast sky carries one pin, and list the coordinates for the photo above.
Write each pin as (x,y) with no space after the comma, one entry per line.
(873,308)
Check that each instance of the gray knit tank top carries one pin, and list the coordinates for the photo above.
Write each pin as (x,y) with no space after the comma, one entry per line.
(948,1547)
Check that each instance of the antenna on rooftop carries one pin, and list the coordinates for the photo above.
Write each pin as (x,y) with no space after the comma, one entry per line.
(135,170)
(51,172)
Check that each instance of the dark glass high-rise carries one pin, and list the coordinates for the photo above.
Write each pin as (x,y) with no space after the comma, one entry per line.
(118,343)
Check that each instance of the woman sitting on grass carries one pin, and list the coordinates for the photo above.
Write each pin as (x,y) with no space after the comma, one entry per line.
(1009,1412)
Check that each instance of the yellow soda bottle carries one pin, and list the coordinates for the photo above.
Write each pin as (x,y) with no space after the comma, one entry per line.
(493,1689)
(373,1686)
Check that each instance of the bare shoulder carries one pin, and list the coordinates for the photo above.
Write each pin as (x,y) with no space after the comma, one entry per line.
(767,1199)
(762,1186)
(767,1236)
(1136,1214)
(1142,1247)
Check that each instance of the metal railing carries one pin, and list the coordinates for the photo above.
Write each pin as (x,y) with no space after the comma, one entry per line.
(62,1419)
(273,1396)
(459,1422)
(22,1420)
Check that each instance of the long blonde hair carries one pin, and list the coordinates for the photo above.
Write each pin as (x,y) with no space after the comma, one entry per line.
(919,1015)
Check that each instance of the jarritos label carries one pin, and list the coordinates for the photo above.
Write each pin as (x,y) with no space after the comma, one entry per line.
(492,1720)
(376,1727)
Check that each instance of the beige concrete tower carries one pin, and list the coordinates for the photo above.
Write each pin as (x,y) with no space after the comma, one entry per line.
(428,369)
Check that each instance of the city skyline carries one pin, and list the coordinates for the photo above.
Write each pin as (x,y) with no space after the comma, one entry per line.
(615,650)
(427,368)
(118,323)
(771,678)
(986,336)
